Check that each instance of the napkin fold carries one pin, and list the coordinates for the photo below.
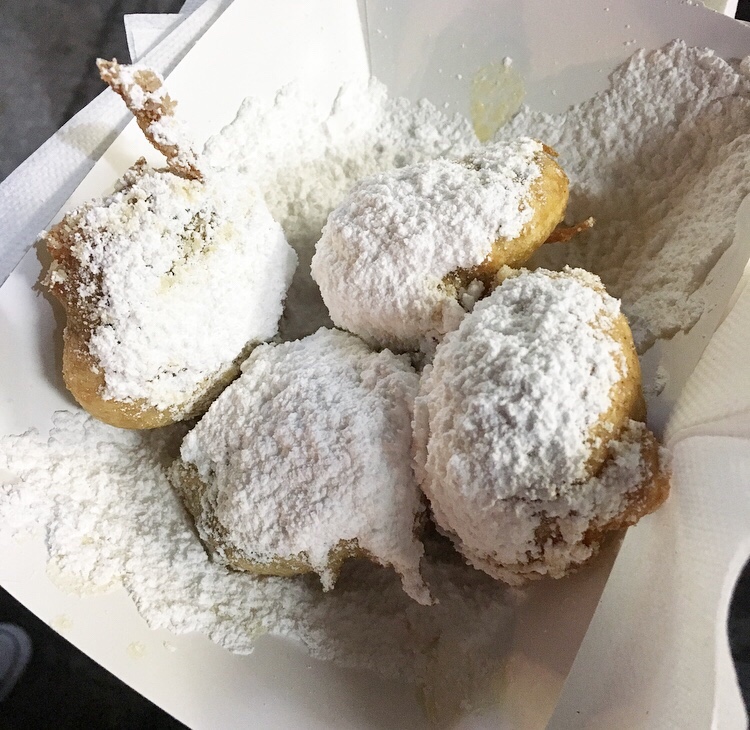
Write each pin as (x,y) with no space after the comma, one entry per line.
(144,31)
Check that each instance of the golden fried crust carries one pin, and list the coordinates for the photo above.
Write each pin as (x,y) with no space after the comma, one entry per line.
(549,199)
(646,498)
(625,396)
(81,372)
(190,487)
(85,380)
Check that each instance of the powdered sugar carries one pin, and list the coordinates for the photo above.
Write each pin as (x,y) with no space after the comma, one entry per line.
(532,369)
(78,489)
(311,447)
(103,531)
(385,250)
(100,530)
(505,533)
(176,278)
(662,160)
(306,156)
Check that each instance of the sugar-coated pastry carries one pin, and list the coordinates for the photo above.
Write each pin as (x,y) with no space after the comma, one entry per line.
(167,282)
(529,443)
(305,461)
(408,251)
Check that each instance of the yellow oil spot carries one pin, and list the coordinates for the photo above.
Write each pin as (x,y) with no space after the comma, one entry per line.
(136,650)
(497,91)
(62,623)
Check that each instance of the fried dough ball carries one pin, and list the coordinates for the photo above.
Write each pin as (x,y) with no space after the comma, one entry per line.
(528,437)
(166,283)
(403,257)
(305,461)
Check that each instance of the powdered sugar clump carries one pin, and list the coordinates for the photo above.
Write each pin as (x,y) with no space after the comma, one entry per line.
(530,368)
(306,156)
(662,160)
(310,448)
(176,277)
(102,499)
(385,250)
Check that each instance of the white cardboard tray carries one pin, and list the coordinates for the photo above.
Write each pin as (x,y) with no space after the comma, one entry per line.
(419,49)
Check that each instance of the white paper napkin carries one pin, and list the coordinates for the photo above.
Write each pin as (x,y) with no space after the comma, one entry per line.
(656,654)
(145,32)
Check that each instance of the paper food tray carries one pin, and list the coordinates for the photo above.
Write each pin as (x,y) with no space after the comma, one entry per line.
(629,672)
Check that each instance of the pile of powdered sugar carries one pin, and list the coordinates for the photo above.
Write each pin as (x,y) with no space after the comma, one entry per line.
(385,250)
(662,161)
(102,498)
(305,156)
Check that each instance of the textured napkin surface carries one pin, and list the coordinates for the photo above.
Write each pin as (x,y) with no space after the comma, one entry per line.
(716,398)
(144,32)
